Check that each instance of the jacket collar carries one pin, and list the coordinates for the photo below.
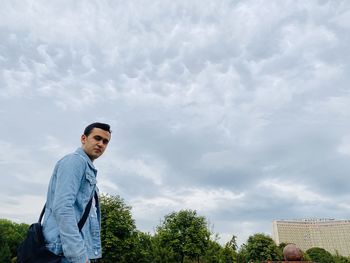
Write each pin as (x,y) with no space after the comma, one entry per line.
(82,153)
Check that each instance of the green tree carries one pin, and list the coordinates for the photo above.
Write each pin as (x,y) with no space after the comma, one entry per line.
(320,255)
(161,253)
(282,245)
(11,235)
(228,255)
(242,255)
(118,230)
(261,247)
(306,257)
(233,243)
(213,253)
(185,233)
(5,254)
(143,246)
(340,259)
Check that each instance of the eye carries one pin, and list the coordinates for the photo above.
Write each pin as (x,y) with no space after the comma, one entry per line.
(98,138)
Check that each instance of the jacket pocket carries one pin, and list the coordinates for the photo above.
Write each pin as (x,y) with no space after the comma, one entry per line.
(88,187)
(90,176)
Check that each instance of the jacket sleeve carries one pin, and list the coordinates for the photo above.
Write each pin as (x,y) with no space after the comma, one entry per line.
(69,177)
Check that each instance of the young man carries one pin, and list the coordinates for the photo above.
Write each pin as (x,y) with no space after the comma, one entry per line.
(71,187)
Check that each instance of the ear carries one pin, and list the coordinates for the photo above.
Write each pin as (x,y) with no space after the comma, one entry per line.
(83,139)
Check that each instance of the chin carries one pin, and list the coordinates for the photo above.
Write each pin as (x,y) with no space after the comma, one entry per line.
(96,156)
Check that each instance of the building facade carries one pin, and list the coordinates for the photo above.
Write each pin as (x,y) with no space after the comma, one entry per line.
(332,235)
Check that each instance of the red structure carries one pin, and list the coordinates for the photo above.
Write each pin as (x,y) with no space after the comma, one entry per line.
(291,254)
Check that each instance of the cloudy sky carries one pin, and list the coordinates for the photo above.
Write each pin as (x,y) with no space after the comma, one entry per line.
(237,109)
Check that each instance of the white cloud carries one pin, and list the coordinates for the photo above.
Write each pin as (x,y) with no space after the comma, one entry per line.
(16,83)
(55,146)
(204,201)
(343,18)
(194,198)
(344,146)
(292,190)
(26,209)
(9,152)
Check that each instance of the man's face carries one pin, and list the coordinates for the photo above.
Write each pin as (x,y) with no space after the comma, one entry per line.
(95,143)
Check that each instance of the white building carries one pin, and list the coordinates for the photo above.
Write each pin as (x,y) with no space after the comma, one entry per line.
(332,235)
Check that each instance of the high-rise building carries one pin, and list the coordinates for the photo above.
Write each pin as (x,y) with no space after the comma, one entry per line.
(330,234)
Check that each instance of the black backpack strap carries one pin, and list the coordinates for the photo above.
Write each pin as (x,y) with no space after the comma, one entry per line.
(42,214)
(87,212)
(85,215)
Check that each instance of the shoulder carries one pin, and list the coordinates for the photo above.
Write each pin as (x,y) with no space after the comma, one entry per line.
(73,160)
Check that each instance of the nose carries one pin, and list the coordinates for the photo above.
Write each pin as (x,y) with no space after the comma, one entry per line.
(100,143)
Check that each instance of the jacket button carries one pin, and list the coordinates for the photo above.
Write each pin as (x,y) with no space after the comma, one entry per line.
(96,252)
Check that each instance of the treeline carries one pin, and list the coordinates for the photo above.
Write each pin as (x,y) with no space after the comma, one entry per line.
(182,236)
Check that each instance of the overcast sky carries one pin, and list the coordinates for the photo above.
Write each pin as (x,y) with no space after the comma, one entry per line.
(236,109)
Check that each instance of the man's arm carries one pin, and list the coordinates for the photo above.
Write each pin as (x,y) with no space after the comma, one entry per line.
(69,177)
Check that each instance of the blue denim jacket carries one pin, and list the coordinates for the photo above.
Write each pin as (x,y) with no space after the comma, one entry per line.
(71,186)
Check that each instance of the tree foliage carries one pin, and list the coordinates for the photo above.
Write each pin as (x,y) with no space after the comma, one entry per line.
(217,253)
(232,243)
(227,255)
(118,230)
(185,233)
(182,237)
(320,255)
(161,253)
(11,235)
(261,247)
(340,259)
(5,253)
(213,253)
(242,255)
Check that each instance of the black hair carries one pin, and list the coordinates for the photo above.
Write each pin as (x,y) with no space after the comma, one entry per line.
(99,125)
